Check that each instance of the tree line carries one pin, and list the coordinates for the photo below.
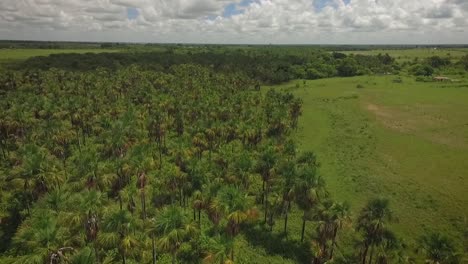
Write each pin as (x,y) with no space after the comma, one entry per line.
(264,65)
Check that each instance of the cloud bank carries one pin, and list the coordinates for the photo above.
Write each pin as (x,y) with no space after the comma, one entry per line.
(238,21)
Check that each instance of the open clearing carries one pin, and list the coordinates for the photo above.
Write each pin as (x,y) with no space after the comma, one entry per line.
(16,55)
(410,54)
(404,141)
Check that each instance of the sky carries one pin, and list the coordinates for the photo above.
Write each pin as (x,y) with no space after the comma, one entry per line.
(238,21)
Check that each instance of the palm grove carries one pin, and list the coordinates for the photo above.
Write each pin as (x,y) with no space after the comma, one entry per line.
(137,165)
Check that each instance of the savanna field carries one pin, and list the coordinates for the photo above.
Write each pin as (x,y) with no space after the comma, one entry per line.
(233,154)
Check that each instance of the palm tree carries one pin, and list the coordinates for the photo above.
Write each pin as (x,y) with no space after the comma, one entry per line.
(157,130)
(43,239)
(174,228)
(150,229)
(198,204)
(89,216)
(119,230)
(32,172)
(330,217)
(439,249)
(309,190)
(276,207)
(235,207)
(218,249)
(295,110)
(287,171)
(340,217)
(372,222)
(265,165)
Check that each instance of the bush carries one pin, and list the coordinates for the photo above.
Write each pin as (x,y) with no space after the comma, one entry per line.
(348,67)
(422,70)
(437,62)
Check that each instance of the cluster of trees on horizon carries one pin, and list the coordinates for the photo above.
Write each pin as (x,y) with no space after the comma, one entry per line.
(266,65)
(172,160)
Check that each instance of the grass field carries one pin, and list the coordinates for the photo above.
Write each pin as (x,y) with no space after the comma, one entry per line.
(402,55)
(404,141)
(16,55)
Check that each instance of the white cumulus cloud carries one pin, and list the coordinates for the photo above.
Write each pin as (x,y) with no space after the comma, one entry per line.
(238,21)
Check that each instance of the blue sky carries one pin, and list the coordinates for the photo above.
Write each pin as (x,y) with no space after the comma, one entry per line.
(320,4)
(233,8)
(132,13)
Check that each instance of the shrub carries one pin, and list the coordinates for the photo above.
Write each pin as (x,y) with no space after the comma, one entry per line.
(422,70)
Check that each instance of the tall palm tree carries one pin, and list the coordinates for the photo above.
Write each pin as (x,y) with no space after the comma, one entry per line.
(198,204)
(309,190)
(119,230)
(330,217)
(276,207)
(287,171)
(372,223)
(157,129)
(341,217)
(295,111)
(265,165)
(236,210)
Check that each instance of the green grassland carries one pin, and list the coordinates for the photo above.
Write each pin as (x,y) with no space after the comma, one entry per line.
(404,141)
(16,55)
(402,55)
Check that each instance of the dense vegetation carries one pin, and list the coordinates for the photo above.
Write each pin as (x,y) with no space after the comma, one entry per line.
(265,65)
(171,156)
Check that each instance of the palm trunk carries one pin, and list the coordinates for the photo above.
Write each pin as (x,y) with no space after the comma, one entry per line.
(266,202)
(174,258)
(65,167)
(371,254)
(335,233)
(154,249)
(263,192)
(143,203)
(199,218)
(27,207)
(3,146)
(286,217)
(271,222)
(303,228)
(96,252)
(364,254)
(286,223)
(181,197)
(194,215)
(316,260)
(232,253)
(160,156)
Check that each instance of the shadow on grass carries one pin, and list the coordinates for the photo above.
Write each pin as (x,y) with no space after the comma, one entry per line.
(278,244)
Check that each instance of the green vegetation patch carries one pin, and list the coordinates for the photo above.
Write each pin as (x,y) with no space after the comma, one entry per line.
(406,140)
